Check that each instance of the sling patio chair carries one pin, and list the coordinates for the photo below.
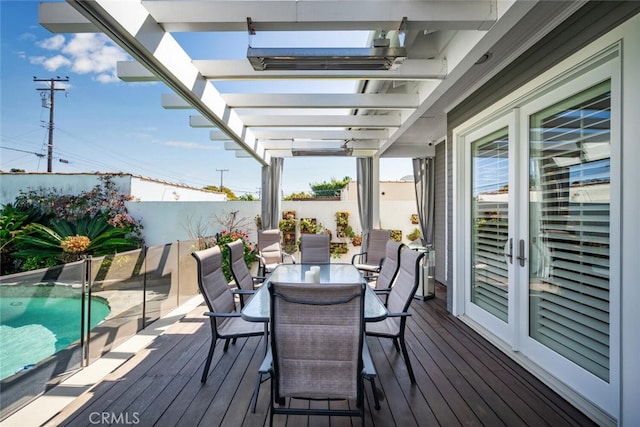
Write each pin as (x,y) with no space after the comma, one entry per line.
(315,249)
(398,302)
(369,261)
(225,321)
(390,268)
(317,347)
(240,271)
(270,252)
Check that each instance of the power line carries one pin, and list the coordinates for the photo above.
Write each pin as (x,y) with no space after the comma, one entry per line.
(49,103)
(23,151)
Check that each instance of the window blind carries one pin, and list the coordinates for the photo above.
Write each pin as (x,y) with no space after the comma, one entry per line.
(490,177)
(569,220)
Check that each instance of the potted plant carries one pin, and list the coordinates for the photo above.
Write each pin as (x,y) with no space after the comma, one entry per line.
(342,223)
(414,235)
(309,226)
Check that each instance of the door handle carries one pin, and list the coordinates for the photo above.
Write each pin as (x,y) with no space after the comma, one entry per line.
(521,256)
(510,253)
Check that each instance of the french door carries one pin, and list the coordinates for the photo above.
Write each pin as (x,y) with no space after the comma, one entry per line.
(538,210)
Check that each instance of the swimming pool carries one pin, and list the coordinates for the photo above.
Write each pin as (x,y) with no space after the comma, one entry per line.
(38,321)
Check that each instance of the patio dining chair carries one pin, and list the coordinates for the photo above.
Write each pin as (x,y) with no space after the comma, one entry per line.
(270,252)
(240,271)
(317,347)
(398,301)
(390,268)
(315,249)
(225,321)
(369,261)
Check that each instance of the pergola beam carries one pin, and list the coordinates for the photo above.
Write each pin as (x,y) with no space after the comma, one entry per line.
(303,121)
(308,15)
(374,101)
(129,25)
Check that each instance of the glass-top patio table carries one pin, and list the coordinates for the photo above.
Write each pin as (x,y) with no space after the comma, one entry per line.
(258,310)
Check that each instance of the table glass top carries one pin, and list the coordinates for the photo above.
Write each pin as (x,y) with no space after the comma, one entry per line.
(257,308)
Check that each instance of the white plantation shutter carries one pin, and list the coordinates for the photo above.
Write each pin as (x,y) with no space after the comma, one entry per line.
(569,228)
(490,191)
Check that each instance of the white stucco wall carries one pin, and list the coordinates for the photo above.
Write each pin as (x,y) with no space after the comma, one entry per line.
(169,221)
(141,188)
(12,183)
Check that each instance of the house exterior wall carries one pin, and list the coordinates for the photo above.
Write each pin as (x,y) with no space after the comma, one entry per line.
(617,404)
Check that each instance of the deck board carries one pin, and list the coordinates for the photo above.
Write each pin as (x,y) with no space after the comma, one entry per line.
(462,380)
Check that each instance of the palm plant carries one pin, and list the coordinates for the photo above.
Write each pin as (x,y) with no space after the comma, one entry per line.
(67,241)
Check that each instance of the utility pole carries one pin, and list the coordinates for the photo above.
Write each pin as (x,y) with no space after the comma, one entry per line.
(221,172)
(51,96)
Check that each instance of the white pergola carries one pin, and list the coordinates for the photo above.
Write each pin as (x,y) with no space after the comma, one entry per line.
(392,113)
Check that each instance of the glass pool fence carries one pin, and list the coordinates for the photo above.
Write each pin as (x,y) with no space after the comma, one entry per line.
(57,320)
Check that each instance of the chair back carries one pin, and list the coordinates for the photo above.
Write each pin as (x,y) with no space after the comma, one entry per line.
(269,246)
(376,245)
(212,283)
(406,283)
(315,248)
(238,266)
(316,339)
(391,264)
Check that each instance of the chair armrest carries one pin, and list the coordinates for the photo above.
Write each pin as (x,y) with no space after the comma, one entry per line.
(243,292)
(267,362)
(293,259)
(368,368)
(261,260)
(386,291)
(212,314)
(258,279)
(403,314)
(353,258)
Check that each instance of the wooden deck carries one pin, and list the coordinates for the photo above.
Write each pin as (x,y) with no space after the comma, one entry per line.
(462,380)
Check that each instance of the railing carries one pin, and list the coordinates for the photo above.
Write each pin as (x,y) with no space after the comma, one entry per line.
(138,286)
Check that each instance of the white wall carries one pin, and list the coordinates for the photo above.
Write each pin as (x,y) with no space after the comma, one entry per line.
(389,191)
(147,190)
(169,221)
(12,183)
(141,188)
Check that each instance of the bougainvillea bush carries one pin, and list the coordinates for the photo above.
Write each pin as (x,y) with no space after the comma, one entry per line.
(250,249)
(63,228)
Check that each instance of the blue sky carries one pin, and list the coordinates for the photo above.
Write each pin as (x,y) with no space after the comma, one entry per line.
(104,124)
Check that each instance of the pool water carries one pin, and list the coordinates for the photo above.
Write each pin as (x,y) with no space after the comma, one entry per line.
(33,328)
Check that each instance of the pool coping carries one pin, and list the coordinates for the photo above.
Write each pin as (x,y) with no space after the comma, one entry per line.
(42,409)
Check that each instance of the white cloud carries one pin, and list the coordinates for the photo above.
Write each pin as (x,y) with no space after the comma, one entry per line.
(52,43)
(83,54)
(53,63)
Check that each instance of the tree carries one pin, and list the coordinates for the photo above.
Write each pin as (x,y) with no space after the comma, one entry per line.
(329,189)
(248,197)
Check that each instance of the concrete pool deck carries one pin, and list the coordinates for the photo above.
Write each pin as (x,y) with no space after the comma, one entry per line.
(42,409)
